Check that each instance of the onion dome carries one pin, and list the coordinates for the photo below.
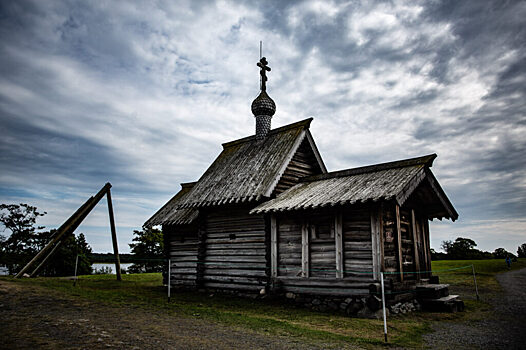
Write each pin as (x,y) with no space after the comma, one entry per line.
(263,105)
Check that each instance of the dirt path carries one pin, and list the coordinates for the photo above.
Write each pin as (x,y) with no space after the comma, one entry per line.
(506,329)
(37,318)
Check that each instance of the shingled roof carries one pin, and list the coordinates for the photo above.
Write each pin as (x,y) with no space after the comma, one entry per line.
(387,181)
(168,215)
(247,170)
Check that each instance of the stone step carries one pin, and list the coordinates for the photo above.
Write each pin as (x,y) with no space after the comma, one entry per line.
(450,303)
(443,299)
(432,291)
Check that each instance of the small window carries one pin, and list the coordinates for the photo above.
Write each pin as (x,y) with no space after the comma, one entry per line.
(321,228)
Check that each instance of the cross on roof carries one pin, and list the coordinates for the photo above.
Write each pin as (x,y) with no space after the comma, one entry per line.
(264,69)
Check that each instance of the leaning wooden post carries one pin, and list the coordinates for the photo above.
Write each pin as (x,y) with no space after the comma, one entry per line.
(33,274)
(383,306)
(114,235)
(475,280)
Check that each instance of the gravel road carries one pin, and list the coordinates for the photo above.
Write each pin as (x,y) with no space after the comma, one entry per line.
(506,329)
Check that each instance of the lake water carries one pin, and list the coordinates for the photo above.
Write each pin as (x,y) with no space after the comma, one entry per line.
(99,266)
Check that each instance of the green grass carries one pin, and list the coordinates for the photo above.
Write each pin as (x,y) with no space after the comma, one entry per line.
(485,271)
(279,318)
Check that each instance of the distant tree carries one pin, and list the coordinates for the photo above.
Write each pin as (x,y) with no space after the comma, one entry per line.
(463,249)
(501,253)
(437,255)
(521,251)
(148,251)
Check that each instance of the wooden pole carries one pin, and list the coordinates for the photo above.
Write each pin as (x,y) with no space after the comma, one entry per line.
(69,226)
(33,274)
(383,306)
(114,235)
(76,265)
(475,280)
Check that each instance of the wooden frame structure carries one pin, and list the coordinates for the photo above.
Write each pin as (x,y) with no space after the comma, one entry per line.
(70,225)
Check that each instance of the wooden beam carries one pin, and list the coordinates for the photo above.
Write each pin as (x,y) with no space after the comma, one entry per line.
(338,236)
(424,243)
(114,236)
(305,249)
(375,242)
(428,243)
(415,244)
(69,226)
(381,232)
(399,244)
(33,274)
(273,246)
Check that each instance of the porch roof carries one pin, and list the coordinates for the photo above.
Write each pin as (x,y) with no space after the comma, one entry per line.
(387,181)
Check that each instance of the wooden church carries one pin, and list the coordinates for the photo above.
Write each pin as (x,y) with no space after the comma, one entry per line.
(267,217)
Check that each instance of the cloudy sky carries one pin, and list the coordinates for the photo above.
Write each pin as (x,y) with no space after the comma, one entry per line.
(142,94)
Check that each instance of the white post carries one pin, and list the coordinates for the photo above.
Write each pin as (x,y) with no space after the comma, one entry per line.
(169,275)
(76,264)
(383,306)
(475,280)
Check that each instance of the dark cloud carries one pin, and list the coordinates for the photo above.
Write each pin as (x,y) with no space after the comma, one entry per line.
(138,93)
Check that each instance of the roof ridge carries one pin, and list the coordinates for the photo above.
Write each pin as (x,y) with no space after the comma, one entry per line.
(302,123)
(423,160)
(188,184)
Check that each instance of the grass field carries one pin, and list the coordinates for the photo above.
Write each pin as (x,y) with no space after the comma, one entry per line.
(274,317)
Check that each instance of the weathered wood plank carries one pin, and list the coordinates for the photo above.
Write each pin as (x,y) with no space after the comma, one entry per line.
(273,246)
(305,256)
(399,243)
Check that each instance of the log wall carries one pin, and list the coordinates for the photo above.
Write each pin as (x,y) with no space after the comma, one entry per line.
(182,251)
(405,258)
(407,243)
(389,239)
(357,247)
(289,246)
(318,227)
(235,251)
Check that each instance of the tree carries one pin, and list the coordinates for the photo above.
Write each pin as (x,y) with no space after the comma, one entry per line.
(463,248)
(148,250)
(25,242)
(521,251)
(501,253)
(62,262)
(21,244)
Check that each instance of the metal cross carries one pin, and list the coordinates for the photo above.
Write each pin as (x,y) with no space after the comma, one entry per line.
(264,69)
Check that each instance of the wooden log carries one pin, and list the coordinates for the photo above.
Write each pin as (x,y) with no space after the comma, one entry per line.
(69,225)
(114,236)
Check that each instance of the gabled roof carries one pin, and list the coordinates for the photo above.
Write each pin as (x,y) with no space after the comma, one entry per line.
(167,215)
(247,170)
(386,181)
